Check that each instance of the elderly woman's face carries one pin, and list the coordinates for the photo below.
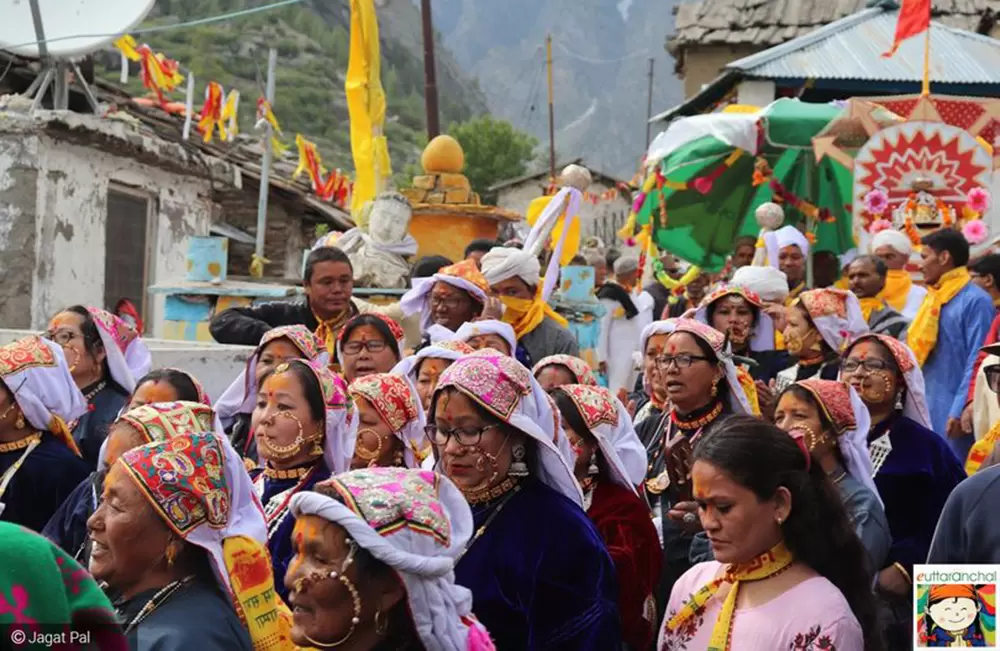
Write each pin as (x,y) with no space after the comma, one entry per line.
(152,392)
(273,354)
(871,370)
(428,373)
(451,306)
(366,352)
(687,374)
(283,423)
(65,329)
(322,605)
(128,539)
(554,376)
(734,314)
(801,336)
(496,342)
(377,445)
(474,453)
(801,418)
(654,348)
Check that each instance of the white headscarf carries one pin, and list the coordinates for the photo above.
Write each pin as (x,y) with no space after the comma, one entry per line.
(893,239)
(436,525)
(769,283)
(779,239)
(915,404)
(849,416)
(34,370)
(472,329)
(664,327)
(241,396)
(836,313)
(502,263)
(611,426)
(505,388)
(408,366)
(463,275)
(128,357)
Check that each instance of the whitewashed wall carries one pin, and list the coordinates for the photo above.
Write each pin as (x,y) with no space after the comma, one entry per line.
(517,198)
(71,209)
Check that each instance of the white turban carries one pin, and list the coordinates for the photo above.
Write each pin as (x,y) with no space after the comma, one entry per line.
(769,283)
(893,239)
(779,239)
(502,263)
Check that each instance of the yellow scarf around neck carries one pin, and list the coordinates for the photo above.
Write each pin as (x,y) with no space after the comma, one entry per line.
(924,329)
(981,449)
(524,315)
(770,563)
(794,294)
(869,305)
(897,289)
(328,331)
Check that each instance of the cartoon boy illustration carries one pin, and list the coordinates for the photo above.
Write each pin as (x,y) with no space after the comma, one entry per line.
(951,618)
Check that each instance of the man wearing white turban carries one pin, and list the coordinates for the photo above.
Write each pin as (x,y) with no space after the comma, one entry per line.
(627,311)
(900,293)
(787,250)
(515,275)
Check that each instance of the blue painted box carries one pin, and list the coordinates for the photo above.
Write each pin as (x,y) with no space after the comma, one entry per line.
(576,284)
(207,259)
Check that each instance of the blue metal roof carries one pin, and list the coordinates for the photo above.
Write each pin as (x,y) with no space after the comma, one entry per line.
(852,47)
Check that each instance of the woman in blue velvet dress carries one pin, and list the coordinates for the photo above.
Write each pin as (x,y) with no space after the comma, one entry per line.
(68,526)
(105,356)
(40,463)
(540,575)
(914,468)
(305,428)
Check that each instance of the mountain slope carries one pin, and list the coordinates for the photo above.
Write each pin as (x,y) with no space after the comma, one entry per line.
(600,60)
(312,39)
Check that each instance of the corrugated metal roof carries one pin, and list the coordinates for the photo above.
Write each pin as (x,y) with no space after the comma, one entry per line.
(852,47)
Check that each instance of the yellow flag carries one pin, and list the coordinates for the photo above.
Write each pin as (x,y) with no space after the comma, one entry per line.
(366,106)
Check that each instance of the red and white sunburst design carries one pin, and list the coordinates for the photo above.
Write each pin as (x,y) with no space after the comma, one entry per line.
(894,157)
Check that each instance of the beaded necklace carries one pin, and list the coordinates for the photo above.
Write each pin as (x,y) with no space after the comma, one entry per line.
(481,530)
(161,597)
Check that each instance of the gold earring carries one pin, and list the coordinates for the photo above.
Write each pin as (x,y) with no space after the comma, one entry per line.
(317,448)
(171,554)
(19,423)
(381,625)
(715,387)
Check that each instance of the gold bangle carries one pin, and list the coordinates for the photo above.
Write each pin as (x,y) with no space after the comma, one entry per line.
(902,570)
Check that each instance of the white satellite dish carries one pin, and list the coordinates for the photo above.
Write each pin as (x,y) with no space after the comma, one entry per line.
(86,20)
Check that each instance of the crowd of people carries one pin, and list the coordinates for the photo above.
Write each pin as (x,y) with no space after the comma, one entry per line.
(755,464)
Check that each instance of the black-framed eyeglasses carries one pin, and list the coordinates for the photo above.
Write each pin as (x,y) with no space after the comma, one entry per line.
(62,337)
(682,361)
(992,374)
(448,302)
(870,364)
(372,346)
(464,435)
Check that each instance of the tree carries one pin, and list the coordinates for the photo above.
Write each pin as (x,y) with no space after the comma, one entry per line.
(494,150)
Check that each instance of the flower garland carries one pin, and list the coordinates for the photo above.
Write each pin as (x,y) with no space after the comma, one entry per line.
(678,286)
(876,204)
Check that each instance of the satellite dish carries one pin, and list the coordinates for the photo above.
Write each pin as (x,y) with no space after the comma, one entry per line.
(68,18)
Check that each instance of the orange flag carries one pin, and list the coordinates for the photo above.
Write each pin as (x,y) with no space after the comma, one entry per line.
(914,18)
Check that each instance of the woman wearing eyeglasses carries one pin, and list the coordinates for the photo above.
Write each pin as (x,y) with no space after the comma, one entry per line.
(702,387)
(915,469)
(369,344)
(540,575)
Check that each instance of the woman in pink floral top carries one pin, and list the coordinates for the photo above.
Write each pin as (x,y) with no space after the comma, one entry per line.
(790,571)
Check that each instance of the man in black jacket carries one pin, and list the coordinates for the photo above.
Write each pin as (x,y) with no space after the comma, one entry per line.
(328,282)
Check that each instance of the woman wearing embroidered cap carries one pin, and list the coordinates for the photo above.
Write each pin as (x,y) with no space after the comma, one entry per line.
(144,424)
(305,427)
(374,567)
(832,423)
(532,538)
(40,464)
(556,370)
(105,356)
(390,425)
(454,295)
(277,346)
(788,572)
(820,323)
(368,344)
(179,538)
(423,369)
(490,333)
(599,432)
(915,469)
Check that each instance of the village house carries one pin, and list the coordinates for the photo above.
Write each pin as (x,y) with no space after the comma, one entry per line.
(98,208)
(601,218)
(710,34)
